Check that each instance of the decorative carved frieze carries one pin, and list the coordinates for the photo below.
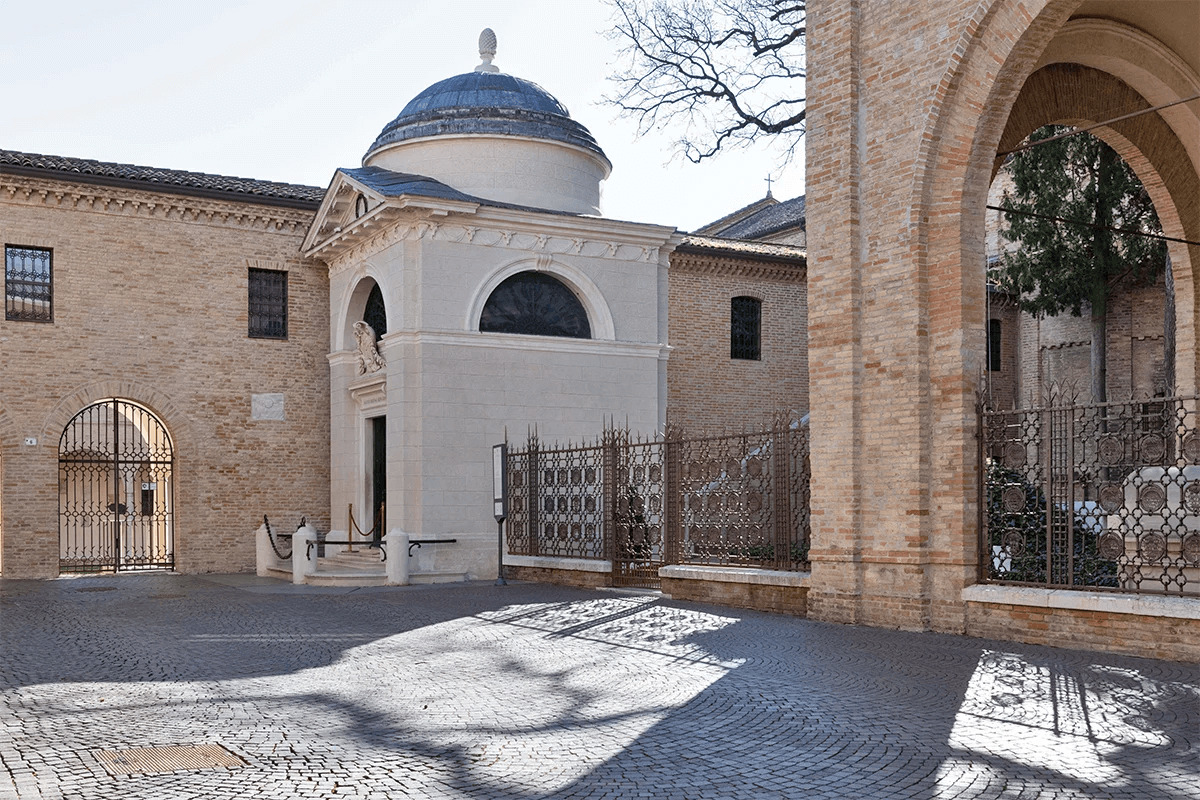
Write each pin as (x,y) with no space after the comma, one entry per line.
(747,267)
(492,236)
(150,205)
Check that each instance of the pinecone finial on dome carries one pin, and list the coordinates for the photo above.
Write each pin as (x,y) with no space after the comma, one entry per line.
(487,51)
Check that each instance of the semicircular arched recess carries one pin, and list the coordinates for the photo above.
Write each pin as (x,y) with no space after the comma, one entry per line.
(599,317)
(164,407)
(367,294)
(534,304)
(1079,95)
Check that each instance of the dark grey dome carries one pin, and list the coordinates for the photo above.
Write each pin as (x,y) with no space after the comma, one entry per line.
(487,103)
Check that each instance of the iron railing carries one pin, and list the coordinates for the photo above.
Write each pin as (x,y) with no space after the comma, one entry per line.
(1092,496)
(736,500)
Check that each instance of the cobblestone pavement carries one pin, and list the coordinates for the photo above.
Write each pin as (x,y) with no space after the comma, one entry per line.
(530,691)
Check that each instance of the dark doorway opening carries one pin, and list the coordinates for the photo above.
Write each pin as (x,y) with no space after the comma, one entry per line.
(378,475)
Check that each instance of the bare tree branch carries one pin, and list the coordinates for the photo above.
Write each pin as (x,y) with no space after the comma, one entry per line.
(724,72)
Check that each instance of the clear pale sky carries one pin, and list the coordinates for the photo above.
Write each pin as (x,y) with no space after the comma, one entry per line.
(290,91)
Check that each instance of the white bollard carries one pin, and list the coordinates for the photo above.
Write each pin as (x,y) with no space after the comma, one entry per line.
(264,557)
(395,543)
(302,565)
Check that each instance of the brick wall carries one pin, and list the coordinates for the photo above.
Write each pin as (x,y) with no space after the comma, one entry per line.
(706,389)
(1131,634)
(150,304)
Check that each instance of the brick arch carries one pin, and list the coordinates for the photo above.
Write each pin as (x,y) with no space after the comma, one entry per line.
(983,75)
(163,405)
(1079,95)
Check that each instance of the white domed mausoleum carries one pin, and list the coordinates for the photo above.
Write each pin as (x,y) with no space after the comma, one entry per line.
(495,299)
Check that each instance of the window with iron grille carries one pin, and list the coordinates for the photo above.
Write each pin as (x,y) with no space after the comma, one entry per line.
(535,303)
(993,345)
(745,328)
(28,288)
(268,304)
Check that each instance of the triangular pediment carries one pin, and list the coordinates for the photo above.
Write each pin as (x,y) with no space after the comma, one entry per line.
(360,201)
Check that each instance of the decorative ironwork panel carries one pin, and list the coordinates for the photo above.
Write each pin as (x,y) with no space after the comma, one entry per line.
(730,491)
(268,298)
(116,492)
(640,546)
(556,502)
(28,284)
(799,481)
(1101,496)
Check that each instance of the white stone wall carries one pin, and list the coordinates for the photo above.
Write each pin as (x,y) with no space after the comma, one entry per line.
(509,169)
(451,392)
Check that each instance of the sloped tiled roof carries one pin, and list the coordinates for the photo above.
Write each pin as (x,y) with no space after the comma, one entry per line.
(715,227)
(740,247)
(175,181)
(394,184)
(772,219)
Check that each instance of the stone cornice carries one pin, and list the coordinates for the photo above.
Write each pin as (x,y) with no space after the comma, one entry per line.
(510,341)
(565,236)
(115,201)
(742,267)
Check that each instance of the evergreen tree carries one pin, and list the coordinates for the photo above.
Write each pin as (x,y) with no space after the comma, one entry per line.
(1062,266)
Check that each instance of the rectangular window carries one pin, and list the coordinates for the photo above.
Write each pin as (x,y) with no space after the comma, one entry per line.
(993,345)
(268,304)
(28,289)
(745,328)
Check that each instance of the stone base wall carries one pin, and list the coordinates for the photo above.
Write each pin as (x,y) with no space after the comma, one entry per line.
(559,577)
(758,597)
(1128,634)
(758,589)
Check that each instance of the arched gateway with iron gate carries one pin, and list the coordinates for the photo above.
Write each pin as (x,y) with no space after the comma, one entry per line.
(115,490)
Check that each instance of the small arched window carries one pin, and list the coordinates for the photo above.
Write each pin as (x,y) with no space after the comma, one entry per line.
(535,303)
(374,312)
(745,328)
(360,205)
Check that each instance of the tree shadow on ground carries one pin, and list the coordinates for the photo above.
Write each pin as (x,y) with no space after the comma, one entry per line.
(544,692)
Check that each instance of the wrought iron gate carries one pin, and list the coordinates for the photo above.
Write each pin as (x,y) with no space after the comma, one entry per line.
(115,488)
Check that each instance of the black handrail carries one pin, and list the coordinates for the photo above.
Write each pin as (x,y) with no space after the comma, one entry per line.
(418,542)
(382,545)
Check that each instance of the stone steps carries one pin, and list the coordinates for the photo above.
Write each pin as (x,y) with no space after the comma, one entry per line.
(363,568)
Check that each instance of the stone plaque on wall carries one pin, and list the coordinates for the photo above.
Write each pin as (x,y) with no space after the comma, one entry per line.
(266,406)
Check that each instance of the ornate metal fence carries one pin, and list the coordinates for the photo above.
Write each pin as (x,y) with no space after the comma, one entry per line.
(1094,496)
(738,500)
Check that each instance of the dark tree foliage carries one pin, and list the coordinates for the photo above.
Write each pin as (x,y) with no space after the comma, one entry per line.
(1061,267)
(725,71)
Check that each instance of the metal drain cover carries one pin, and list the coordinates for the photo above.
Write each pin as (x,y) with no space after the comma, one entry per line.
(169,758)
